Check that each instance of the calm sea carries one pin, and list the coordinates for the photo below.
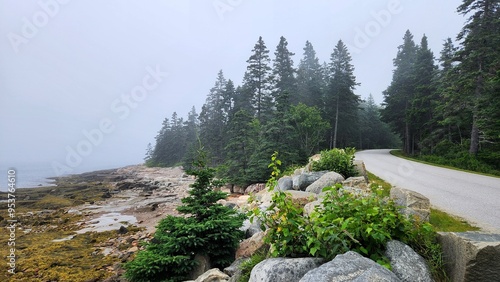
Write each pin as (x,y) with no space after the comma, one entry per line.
(36,174)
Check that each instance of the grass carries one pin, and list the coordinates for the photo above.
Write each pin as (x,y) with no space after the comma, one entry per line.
(440,220)
(444,222)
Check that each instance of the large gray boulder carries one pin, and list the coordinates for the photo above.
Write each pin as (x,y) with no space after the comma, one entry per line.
(471,256)
(300,182)
(406,263)
(285,183)
(412,203)
(327,179)
(283,269)
(350,266)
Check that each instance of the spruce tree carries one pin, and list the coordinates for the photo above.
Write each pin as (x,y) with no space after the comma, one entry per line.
(398,96)
(479,63)
(213,120)
(340,101)
(310,82)
(283,72)
(425,99)
(257,80)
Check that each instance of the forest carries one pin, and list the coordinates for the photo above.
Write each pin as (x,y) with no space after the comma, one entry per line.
(444,108)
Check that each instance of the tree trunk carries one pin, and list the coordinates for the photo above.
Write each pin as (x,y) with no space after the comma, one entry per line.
(474,136)
(336,124)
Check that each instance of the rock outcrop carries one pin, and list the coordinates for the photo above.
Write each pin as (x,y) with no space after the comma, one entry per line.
(412,203)
(406,263)
(301,181)
(327,179)
(350,266)
(285,183)
(471,256)
(283,269)
(251,245)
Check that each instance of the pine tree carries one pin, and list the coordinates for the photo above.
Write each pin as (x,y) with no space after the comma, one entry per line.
(242,133)
(213,120)
(310,82)
(257,80)
(423,103)
(341,102)
(283,71)
(479,63)
(398,96)
(374,134)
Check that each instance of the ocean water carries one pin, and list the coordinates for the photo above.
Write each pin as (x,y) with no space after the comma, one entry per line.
(30,175)
(27,175)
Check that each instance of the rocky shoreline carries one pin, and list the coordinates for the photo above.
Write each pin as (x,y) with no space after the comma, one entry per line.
(99,218)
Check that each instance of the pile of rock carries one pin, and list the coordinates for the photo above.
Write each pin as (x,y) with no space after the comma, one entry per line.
(306,187)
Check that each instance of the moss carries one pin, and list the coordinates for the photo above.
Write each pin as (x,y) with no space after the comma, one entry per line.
(40,259)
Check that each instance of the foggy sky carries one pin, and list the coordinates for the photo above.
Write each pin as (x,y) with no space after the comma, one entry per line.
(86,84)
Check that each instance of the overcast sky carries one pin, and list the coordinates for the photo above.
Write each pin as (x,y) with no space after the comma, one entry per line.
(86,84)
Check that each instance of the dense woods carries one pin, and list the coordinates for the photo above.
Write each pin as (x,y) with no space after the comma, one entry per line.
(446,107)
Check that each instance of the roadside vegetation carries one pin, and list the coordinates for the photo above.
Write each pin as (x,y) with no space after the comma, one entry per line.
(454,160)
(344,221)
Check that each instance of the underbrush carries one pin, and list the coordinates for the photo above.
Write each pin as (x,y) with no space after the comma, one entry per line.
(344,221)
(453,155)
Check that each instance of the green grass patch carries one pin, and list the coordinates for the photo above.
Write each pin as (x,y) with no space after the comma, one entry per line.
(440,220)
(378,183)
(445,222)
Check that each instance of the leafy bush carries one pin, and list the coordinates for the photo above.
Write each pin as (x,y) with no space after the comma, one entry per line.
(345,221)
(338,160)
(208,228)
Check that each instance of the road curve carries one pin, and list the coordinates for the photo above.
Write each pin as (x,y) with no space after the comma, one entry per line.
(473,197)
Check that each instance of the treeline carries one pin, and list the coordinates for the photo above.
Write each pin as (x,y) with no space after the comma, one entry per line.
(297,111)
(451,111)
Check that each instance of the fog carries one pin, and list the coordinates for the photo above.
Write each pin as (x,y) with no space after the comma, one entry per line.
(85,85)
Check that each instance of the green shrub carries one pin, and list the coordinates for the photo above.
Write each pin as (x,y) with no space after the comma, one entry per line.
(247,266)
(338,160)
(208,228)
(345,221)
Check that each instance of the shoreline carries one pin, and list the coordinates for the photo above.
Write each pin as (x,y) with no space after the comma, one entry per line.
(117,207)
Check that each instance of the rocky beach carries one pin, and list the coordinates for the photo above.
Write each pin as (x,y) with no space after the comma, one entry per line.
(83,228)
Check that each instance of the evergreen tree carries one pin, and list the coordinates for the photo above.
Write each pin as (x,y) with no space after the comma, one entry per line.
(207,228)
(374,134)
(310,82)
(191,128)
(341,102)
(479,63)
(423,103)
(398,96)
(257,80)
(213,120)
(283,71)
(242,133)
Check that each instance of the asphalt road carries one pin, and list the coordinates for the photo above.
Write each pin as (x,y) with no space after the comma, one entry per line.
(473,197)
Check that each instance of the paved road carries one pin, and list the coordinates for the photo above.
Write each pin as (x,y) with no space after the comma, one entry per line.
(473,197)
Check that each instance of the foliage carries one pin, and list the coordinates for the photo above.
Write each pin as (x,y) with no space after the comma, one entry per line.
(247,266)
(338,160)
(343,103)
(208,228)
(343,221)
